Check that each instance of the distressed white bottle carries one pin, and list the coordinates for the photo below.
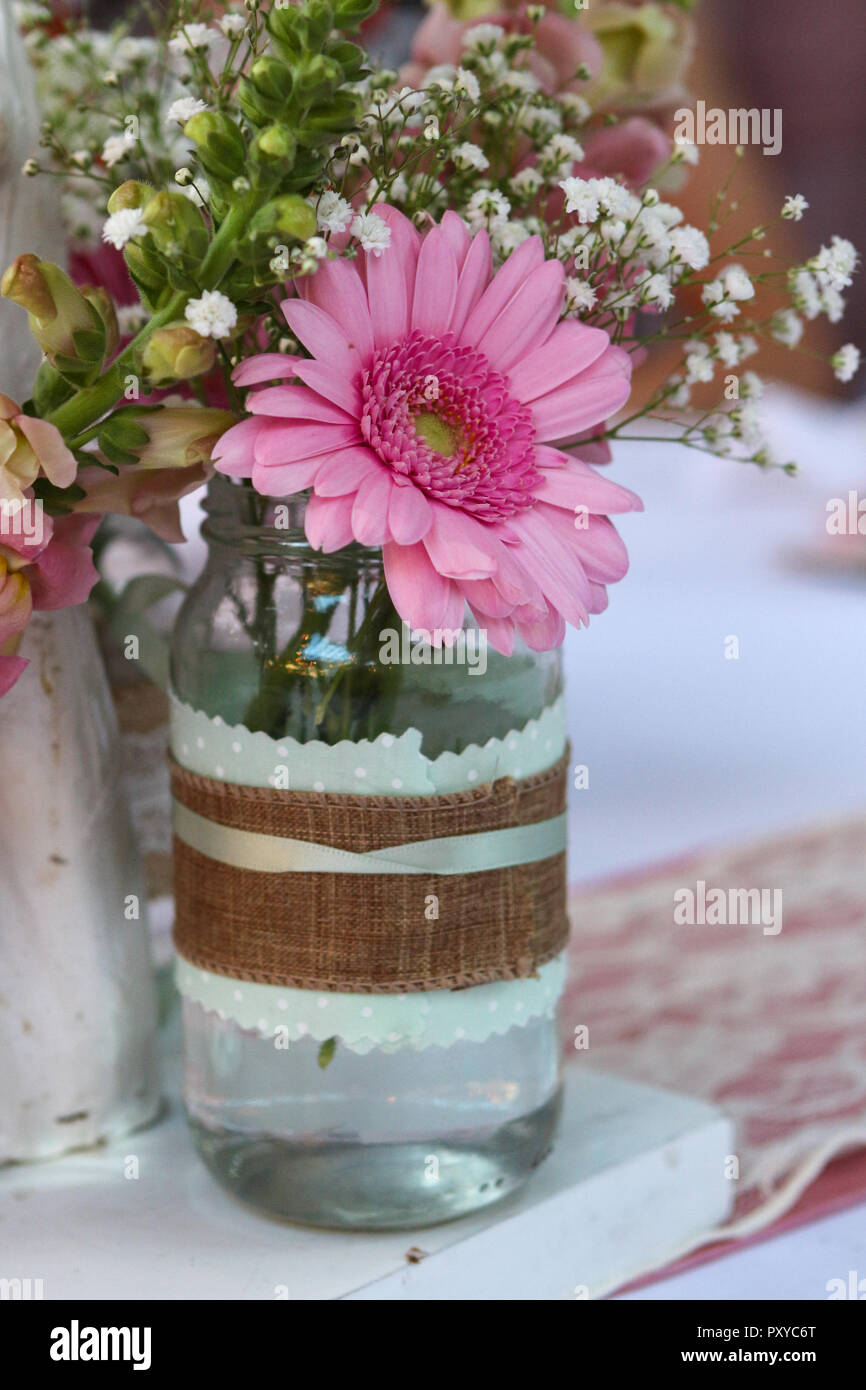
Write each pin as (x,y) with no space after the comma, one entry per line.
(77,1000)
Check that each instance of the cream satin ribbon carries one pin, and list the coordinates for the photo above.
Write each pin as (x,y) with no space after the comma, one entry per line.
(453,854)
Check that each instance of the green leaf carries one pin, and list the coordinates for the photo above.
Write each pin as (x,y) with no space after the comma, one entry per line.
(115,454)
(122,430)
(326,1053)
(89,344)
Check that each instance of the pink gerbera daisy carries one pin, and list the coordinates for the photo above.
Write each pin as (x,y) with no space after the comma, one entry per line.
(427,421)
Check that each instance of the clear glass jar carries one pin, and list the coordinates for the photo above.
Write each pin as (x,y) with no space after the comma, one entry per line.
(278,639)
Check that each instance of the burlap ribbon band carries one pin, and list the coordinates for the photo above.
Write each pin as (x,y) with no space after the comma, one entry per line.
(370,894)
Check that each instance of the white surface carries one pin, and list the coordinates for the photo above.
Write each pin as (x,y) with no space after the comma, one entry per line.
(684,747)
(635,1174)
(798,1264)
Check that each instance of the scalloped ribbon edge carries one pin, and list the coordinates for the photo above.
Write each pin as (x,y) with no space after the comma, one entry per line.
(385,1021)
(388,765)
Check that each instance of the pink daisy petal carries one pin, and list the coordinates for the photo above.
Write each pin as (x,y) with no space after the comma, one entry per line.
(344,471)
(235,450)
(282,479)
(266,366)
(337,288)
(459,546)
(540,634)
(283,442)
(528,256)
(370,508)
(500,632)
(473,279)
(570,349)
(410,515)
(419,593)
(584,401)
(485,598)
(578,486)
(554,566)
(435,285)
(456,233)
(528,319)
(332,381)
(320,334)
(328,523)
(391,277)
(296,403)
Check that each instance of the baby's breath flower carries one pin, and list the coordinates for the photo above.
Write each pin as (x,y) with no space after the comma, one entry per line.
(751,386)
(192,36)
(333,213)
(116,146)
(487,208)
(431,128)
(580,197)
(699,367)
(837,262)
(786,327)
(737,283)
(575,105)
(657,292)
(685,152)
(213,315)
(467,84)
(794,206)
(690,246)
(804,291)
(469,156)
(508,236)
(232,24)
(122,226)
(184,109)
(580,297)
(526,183)
(482,38)
(727,349)
(845,362)
(372,231)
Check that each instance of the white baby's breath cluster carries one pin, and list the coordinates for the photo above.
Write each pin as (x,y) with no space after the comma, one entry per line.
(483,138)
(115,102)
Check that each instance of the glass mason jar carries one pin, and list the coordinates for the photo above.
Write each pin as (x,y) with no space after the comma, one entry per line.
(381,1110)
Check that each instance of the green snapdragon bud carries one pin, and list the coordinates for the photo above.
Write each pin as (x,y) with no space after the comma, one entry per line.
(329,120)
(350,56)
(289,218)
(99,299)
(275,142)
(176,353)
(320,23)
(131,194)
(264,94)
(69,330)
(176,227)
(349,14)
(221,147)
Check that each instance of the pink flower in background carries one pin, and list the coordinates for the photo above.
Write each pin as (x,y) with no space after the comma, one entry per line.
(427,422)
(561,46)
(55,571)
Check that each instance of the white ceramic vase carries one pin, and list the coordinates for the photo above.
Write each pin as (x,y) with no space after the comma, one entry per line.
(77,995)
